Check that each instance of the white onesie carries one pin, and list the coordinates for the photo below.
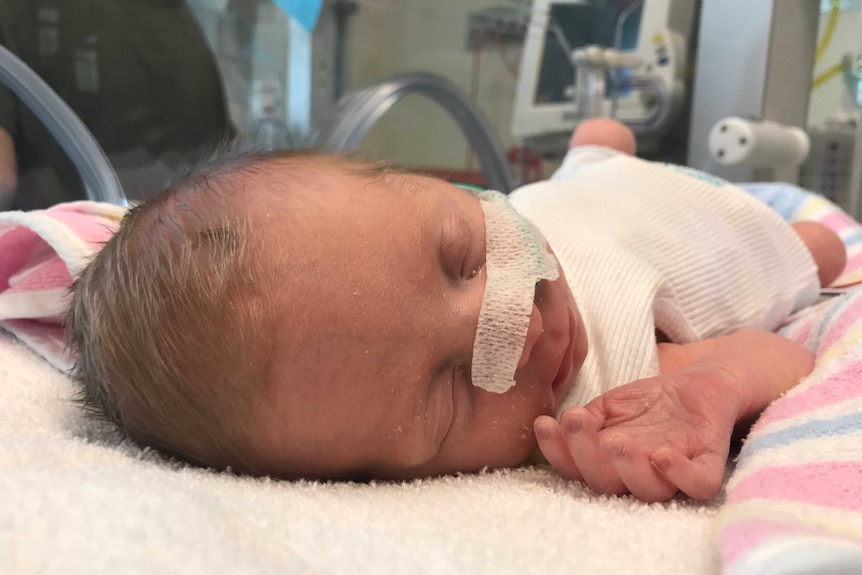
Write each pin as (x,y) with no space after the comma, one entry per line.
(649,246)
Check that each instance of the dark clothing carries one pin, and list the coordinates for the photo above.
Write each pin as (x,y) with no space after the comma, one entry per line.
(140,75)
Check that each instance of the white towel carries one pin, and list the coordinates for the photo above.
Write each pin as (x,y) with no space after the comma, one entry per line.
(71,501)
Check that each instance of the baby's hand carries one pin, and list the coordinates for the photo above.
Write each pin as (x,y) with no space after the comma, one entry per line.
(649,438)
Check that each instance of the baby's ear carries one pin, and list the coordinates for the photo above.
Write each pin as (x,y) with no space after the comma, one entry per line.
(604,132)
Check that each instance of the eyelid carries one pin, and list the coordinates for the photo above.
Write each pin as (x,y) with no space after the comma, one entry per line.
(456,245)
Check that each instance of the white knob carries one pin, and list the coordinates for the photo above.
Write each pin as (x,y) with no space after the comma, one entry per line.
(760,144)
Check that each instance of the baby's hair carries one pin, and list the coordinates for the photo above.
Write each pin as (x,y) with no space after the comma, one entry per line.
(171,321)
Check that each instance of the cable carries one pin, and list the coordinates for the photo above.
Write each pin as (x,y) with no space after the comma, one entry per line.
(512,67)
(621,21)
(829,32)
(827,75)
(618,41)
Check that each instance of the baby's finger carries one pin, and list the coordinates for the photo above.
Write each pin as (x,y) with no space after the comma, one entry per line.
(596,408)
(638,474)
(591,459)
(699,478)
(552,444)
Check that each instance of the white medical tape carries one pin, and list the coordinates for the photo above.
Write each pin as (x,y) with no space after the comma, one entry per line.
(517,259)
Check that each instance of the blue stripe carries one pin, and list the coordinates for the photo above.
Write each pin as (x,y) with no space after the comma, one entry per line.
(818,429)
(837,306)
(783,198)
(841,303)
(852,239)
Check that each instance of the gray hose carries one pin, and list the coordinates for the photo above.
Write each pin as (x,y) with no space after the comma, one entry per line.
(99,178)
(359,111)
(661,115)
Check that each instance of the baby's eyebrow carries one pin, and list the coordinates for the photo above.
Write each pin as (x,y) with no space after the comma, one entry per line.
(417,182)
(223,237)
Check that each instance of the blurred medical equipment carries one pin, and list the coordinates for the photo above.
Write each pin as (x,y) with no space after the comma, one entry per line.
(269,131)
(754,60)
(829,163)
(757,143)
(278,75)
(853,80)
(583,59)
(766,73)
(99,178)
(359,111)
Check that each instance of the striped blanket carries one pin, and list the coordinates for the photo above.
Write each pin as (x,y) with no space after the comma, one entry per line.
(794,501)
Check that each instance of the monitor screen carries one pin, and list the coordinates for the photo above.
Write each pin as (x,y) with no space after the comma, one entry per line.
(571,26)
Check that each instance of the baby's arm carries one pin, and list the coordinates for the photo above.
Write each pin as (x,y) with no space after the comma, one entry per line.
(672,432)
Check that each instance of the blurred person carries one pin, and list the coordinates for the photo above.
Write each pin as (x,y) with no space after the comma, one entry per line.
(140,75)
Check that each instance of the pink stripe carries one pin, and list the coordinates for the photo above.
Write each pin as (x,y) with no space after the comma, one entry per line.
(844,319)
(51,276)
(17,247)
(92,229)
(799,331)
(740,536)
(835,484)
(840,386)
(838,220)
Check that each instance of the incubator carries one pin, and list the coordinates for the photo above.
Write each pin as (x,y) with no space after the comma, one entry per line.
(720,85)
(73,136)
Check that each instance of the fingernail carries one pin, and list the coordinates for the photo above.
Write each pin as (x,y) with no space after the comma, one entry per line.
(542,433)
(573,425)
(616,449)
(661,462)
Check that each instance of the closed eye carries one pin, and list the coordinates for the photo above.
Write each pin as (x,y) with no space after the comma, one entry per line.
(461,253)
(454,245)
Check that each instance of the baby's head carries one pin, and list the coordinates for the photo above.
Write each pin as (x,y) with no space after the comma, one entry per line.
(306,315)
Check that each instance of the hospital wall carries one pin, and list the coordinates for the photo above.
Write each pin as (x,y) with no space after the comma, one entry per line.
(390,36)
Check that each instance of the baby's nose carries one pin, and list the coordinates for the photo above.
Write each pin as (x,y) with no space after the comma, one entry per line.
(534,332)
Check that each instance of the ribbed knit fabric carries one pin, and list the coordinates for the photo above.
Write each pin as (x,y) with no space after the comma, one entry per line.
(648,246)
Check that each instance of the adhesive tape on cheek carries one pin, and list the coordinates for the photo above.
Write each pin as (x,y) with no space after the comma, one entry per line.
(517,259)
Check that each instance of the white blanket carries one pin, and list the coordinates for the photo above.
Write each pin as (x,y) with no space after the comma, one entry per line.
(72,500)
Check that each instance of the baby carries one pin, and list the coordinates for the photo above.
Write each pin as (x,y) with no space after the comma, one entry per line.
(305,315)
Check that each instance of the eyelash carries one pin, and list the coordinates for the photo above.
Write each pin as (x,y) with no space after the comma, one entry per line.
(458,373)
(456,369)
(467,271)
(465,262)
